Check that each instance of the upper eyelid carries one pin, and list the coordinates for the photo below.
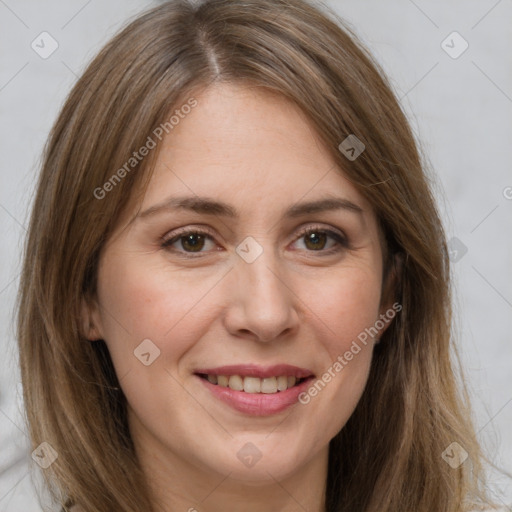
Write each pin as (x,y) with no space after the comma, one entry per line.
(183,231)
(336,231)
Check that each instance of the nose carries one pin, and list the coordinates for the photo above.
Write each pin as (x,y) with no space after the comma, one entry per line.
(262,305)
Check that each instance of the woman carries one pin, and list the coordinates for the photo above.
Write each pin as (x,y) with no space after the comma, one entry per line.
(236,291)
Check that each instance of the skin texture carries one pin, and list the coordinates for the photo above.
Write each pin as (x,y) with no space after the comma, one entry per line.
(257,152)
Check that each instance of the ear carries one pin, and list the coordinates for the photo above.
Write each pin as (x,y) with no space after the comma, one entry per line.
(390,291)
(90,320)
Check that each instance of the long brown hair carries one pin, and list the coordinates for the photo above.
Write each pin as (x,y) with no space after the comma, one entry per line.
(388,457)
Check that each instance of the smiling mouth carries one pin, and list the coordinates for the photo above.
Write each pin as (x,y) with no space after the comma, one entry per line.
(256,390)
(253,385)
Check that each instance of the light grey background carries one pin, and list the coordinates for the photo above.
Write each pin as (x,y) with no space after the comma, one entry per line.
(460,108)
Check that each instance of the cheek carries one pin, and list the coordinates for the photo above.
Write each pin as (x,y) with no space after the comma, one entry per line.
(344,305)
(343,310)
(141,302)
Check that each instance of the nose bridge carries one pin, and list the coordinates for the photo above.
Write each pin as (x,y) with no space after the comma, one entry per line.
(263,280)
(263,302)
(256,259)
(264,284)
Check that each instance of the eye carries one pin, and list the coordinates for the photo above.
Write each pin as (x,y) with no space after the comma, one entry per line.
(321,240)
(199,241)
(189,241)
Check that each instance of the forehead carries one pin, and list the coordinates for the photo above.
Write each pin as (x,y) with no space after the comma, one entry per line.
(248,145)
(246,115)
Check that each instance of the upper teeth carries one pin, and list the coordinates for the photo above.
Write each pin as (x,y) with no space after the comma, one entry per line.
(253,384)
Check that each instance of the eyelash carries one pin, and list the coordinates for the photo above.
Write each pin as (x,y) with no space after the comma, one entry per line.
(340,240)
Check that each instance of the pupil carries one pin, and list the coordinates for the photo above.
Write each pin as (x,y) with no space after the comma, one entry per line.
(193,242)
(315,241)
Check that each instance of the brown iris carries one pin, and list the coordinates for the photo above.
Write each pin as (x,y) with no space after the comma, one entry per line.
(193,242)
(315,240)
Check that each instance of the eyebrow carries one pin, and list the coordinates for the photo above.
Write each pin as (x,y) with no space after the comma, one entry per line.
(210,206)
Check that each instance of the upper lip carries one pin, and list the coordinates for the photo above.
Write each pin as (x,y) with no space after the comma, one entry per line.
(253,370)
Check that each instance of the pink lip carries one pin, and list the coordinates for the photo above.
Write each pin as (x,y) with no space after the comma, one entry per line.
(257,404)
(252,370)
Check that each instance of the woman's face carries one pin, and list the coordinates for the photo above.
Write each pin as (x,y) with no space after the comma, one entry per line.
(252,263)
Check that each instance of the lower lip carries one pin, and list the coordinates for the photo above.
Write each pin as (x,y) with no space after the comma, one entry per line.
(257,404)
